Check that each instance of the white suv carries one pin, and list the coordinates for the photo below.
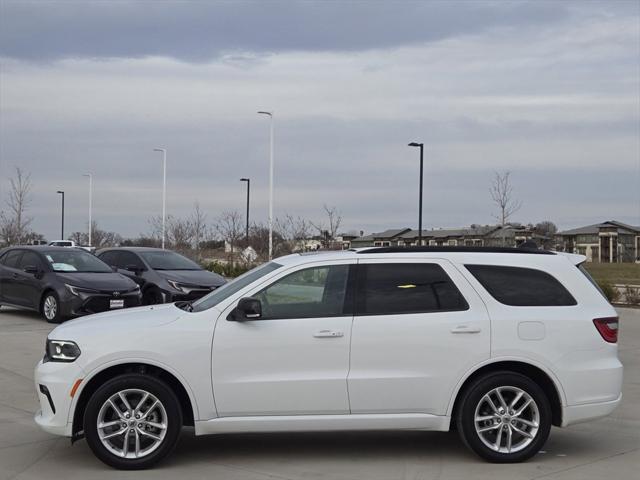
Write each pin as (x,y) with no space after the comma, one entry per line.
(499,344)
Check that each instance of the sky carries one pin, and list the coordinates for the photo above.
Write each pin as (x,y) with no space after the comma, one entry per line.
(548,90)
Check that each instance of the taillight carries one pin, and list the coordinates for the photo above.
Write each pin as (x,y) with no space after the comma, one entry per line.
(608,328)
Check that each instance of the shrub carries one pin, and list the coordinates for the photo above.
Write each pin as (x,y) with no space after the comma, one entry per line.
(226,269)
(609,290)
(632,295)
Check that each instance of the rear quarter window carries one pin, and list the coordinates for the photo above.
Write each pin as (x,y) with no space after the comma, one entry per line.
(522,287)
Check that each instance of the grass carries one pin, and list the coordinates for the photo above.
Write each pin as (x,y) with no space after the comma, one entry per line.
(615,273)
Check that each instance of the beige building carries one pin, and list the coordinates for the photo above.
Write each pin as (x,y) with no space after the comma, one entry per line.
(607,242)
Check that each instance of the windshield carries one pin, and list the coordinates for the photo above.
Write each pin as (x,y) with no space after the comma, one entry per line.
(75,261)
(228,289)
(164,260)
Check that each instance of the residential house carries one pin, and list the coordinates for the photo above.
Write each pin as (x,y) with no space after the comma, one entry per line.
(607,242)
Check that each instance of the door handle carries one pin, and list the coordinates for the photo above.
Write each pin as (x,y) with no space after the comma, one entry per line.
(465,329)
(328,334)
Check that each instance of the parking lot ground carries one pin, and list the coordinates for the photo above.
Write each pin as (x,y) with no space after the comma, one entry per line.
(604,449)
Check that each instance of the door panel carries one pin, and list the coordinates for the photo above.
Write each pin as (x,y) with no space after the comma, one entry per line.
(286,366)
(28,285)
(411,362)
(9,278)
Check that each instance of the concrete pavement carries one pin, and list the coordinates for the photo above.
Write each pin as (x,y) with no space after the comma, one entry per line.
(608,448)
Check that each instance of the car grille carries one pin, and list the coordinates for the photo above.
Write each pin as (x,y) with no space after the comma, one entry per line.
(101,303)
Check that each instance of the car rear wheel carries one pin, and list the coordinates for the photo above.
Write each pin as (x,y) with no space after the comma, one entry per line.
(504,417)
(132,422)
(50,308)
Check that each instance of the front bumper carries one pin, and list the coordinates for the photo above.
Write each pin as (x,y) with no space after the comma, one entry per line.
(55,399)
(75,306)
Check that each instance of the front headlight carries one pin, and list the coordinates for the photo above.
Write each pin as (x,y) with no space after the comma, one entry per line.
(61,351)
(78,290)
(176,285)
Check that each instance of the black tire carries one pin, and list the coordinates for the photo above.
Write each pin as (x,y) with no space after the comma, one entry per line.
(507,424)
(145,383)
(50,296)
(151,296)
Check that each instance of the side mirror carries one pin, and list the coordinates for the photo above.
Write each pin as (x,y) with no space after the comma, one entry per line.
(31,269)
(248,309)
(114,268)
(134,268)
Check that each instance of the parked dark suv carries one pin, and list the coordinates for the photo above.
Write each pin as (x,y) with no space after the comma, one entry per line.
(164,276)
(62,282)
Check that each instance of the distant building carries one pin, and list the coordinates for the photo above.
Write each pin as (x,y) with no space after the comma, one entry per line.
(607,242)
(473,236)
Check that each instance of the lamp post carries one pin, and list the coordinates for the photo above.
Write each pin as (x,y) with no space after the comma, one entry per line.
(421,145)
(270,114)
(62,224)
(90,204)
(164,189)
(248,180)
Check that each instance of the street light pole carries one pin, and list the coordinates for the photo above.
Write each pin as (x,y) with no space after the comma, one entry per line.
(248,180)
(62,224)
(164,189)
(421,145)
(90,204)
(270,184)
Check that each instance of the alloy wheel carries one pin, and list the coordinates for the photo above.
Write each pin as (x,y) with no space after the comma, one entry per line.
(132,423)
(507,419)
(50,307)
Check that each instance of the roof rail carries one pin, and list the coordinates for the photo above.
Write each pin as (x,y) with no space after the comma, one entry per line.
(426,249)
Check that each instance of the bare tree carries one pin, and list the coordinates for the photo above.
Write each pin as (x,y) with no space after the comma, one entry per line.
(291,231)
(178,231)
(230,227)
(100,238)
(502,195)
(14,226)
(199,226)
(334,218)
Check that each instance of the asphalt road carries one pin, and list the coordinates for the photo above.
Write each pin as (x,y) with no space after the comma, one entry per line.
(607,448)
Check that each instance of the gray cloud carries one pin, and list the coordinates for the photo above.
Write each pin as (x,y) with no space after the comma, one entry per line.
(548,90)
(200,31)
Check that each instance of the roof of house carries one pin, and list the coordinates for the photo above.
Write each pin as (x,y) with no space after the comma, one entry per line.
(478,231)
(391,233)
(595,228)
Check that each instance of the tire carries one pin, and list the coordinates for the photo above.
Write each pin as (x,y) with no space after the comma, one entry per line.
(154,443)
(151,296)
(50,307)
(489,436)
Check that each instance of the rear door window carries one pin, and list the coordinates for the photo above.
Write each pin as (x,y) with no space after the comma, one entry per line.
(29,259)
(10,259)
(522,287)
(108,258)
(403,288)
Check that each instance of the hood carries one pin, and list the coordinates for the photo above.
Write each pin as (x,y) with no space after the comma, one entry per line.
(126,320)
(193,277)
(97,281)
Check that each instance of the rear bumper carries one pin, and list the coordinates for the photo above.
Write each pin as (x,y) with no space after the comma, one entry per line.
(590,411)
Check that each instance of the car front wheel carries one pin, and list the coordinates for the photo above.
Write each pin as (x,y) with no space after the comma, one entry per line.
(50,308)
(132,422)
(504,417)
